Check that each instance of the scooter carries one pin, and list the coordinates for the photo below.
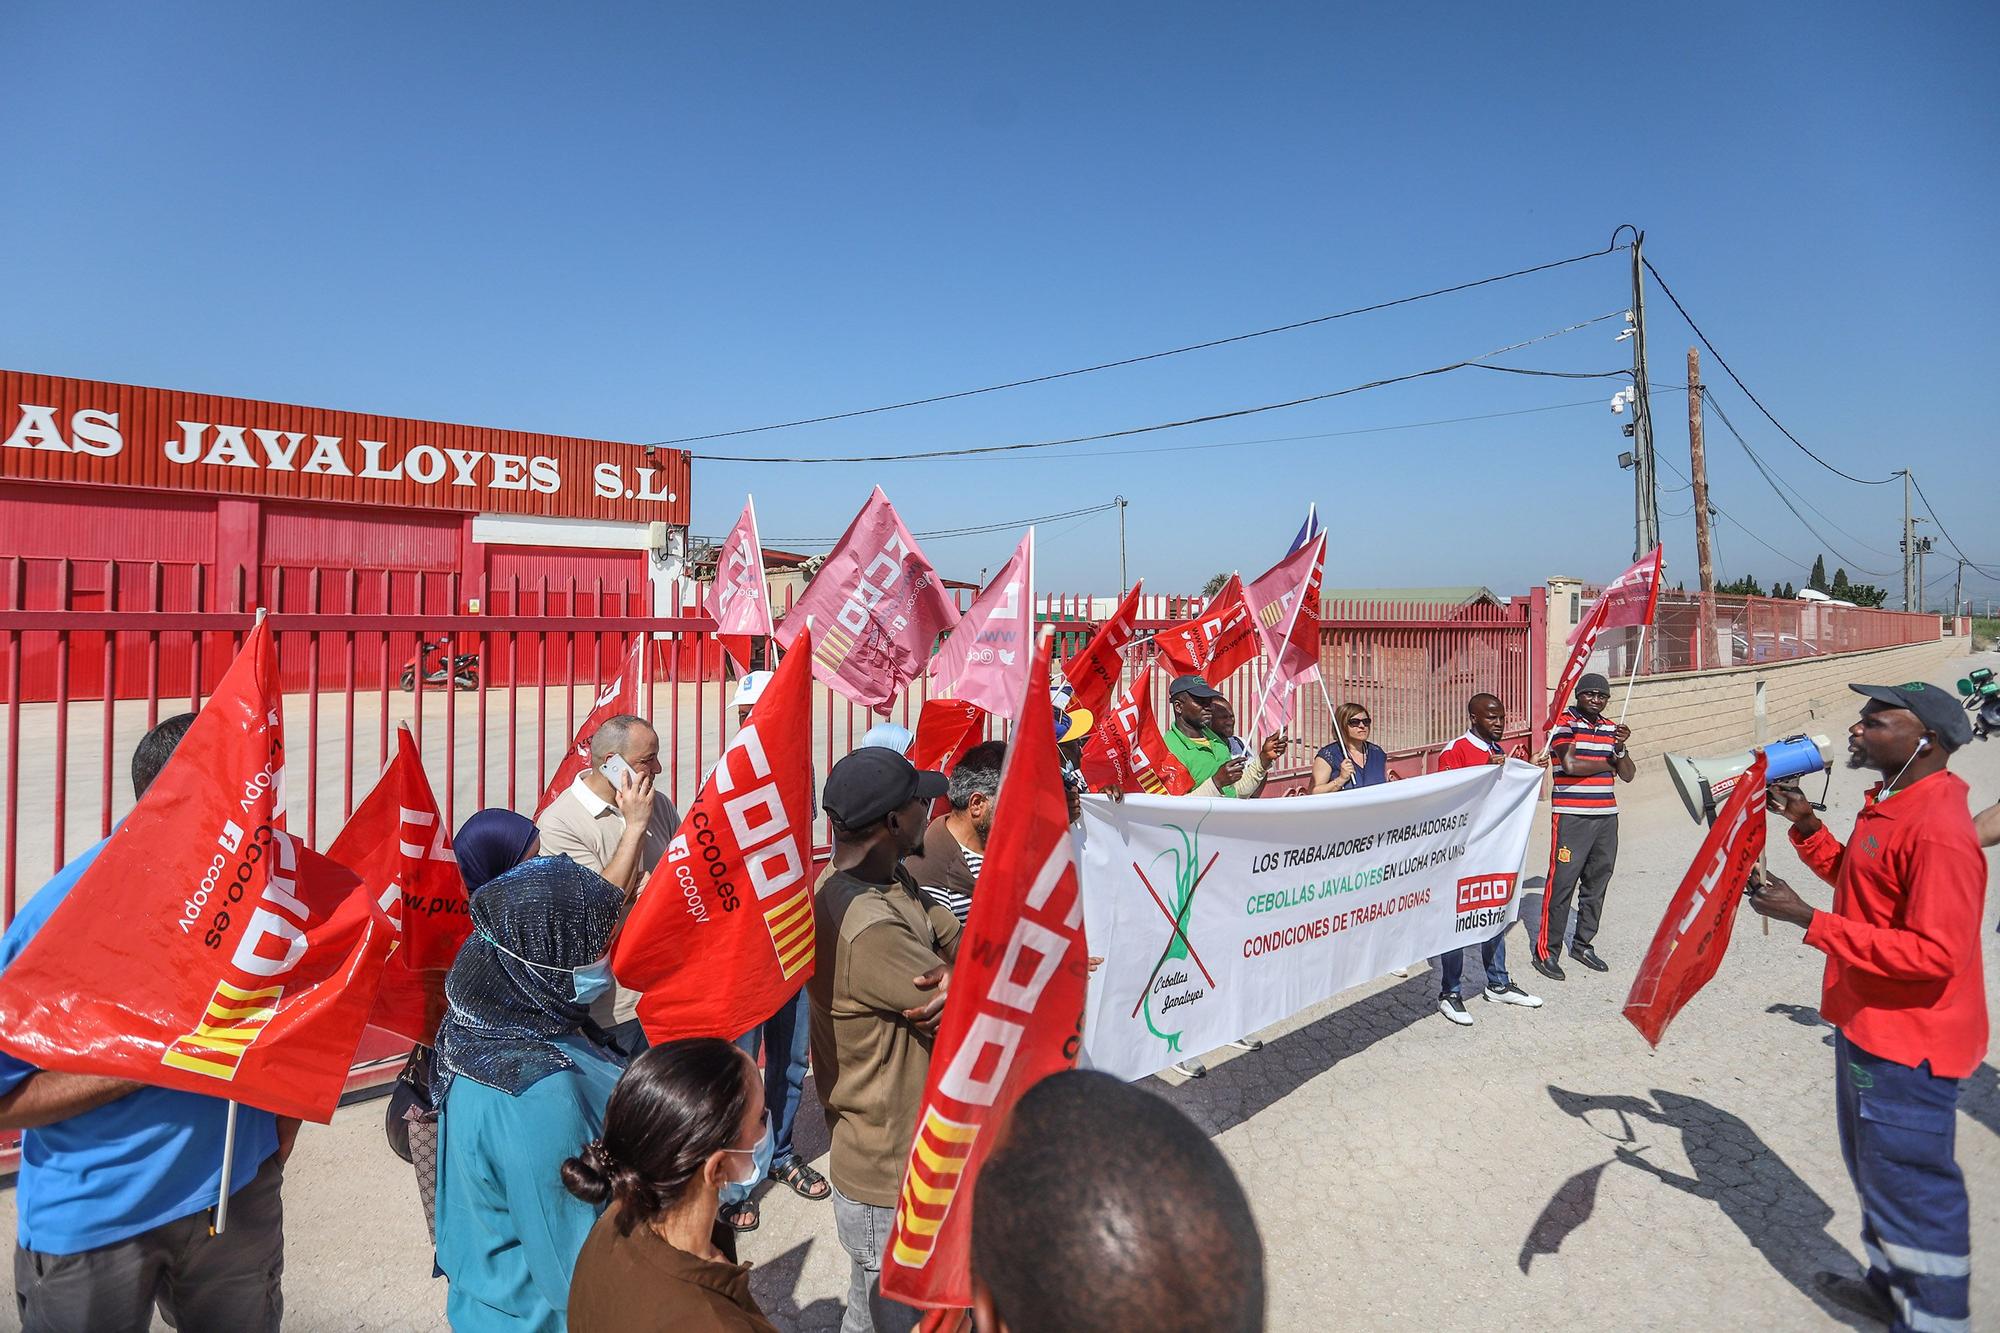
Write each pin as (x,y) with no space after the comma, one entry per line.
(464,666)
(1982,700)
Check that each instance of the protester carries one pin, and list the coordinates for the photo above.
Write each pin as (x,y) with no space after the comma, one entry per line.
(1256,763)
(613,821)
(1073,728)
(1905,993)
(1103,1209)
(878,990)
(488,844)
(1481,745)
(1216,771)
(784,1041)
(1589,757)
(119,1182)
(954,846)
(1204,754)
(687,1121)
(523,1075)
(890,736)
(1351,761)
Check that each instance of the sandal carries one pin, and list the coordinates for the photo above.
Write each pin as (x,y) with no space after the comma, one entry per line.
(804,1181)
(741,1217)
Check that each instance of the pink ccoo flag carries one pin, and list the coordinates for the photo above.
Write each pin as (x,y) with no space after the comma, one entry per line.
(1285,604)
(877,608)
(738,600)
(986,659)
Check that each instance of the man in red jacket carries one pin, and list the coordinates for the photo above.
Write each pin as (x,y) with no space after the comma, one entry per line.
(1904,989)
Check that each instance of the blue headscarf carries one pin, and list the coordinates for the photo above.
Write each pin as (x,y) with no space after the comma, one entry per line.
(503,1016)
(490,844)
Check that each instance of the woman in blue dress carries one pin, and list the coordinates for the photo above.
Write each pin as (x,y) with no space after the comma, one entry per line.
(1352,761)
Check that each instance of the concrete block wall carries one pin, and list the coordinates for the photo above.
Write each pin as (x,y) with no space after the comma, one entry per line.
(1709,712)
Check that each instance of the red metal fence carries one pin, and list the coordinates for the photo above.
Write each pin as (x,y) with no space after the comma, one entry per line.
(1412,665)
(1746,631)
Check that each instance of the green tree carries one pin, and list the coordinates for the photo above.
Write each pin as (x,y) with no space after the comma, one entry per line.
(1866,594)
(1787,591)
(1817,582)
(1839,587)
(1214,584)
(1747,586)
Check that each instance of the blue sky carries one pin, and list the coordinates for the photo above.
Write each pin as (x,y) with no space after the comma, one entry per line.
(642,221)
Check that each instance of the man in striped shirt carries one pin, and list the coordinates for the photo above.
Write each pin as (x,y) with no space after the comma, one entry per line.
(955,846)
(1589,760)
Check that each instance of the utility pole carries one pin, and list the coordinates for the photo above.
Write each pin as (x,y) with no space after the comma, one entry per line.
(1958,590)
(1698,466)
(1909,541)
(1122,584)
(1646,495)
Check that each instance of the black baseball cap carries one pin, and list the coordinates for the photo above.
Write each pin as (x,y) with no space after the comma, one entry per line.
(1937,710)
(871,782)
(1194,685)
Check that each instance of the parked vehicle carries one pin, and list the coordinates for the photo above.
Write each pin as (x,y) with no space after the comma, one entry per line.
(463,667)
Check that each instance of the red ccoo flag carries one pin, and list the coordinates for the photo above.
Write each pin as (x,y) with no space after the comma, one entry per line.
(1688,946)
(1217,642)
(1629,599)
(618,698)
(1127,751)
(1095,672)
(723,934)
(739,600)
(1015,1006)
(397,843)
(206,949)
(877,609)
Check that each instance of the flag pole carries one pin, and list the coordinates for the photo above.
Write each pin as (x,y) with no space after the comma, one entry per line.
(1632,679)
(228,1170)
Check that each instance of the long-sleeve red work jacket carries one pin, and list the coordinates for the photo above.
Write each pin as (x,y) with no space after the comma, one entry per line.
(1903,973)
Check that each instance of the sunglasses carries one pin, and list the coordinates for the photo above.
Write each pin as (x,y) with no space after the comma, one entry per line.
(1360,721)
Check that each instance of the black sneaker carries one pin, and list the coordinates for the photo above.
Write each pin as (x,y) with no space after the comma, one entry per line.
(1454,1008)
(1586,955)
(1548,967)
(1857,1294)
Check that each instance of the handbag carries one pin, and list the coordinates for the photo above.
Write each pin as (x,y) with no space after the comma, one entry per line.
(410,1099)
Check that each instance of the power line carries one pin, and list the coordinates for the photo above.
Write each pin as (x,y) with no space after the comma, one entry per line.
(973,530)
(1970,562)
(1168,425)
(1771,481)
(1746,388)
(1149,356)
(1708,397)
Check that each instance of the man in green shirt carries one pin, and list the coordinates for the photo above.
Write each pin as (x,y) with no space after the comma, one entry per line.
(1200,749)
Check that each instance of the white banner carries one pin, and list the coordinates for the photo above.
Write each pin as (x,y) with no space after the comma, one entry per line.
(1216,918)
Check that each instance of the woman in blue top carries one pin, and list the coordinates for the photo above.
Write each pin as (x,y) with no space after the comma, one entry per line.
(1353,761)
(522,1077)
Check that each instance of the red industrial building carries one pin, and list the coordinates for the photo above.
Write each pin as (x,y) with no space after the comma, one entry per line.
(116,497)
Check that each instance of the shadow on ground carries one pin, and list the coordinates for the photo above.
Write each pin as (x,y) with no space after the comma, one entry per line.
(1781,1216)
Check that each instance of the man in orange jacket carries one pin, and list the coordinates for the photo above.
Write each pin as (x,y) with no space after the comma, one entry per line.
(1904,989)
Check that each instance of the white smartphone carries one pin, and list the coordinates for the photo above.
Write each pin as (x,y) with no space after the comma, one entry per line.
(620,772)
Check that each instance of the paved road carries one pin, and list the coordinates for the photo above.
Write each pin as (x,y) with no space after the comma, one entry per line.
(1542,1169)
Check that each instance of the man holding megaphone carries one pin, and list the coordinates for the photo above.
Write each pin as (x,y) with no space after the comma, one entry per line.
(1905,993)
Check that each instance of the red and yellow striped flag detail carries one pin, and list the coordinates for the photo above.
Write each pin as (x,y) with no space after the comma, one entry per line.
(833,647)
(791,926)
(1271,614)
(235,1018)
(937,1166)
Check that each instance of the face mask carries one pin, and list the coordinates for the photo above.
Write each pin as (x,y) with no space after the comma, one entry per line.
(736,1191)
(586,983)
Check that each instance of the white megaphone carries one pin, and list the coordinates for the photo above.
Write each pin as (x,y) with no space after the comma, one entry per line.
(1704,784)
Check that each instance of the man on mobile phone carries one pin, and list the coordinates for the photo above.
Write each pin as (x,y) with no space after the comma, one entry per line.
(613,820)
(1256,763)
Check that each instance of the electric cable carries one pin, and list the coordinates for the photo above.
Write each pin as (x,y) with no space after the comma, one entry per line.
(1785,500)
(1149,356)
(1228,415)
(1755,401)
(1943,532)
(967,531)
(1708,397)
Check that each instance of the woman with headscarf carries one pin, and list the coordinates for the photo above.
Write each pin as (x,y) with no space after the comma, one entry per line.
(688,1120)
(522,1077)
(488,844)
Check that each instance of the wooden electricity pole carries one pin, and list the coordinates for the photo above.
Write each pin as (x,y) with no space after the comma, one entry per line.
(1705,621)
